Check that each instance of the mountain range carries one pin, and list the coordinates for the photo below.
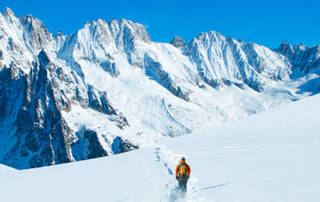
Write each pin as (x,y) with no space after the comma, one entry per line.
(108,88)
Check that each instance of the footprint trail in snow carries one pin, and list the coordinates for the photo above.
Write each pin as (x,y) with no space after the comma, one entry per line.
(167,159)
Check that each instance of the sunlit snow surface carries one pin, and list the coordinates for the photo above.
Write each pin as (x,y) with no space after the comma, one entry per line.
(5,169)
(272,156)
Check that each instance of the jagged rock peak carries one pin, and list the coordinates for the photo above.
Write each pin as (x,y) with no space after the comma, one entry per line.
(284,44)
(33,22)
(8,12)
(297,47)
(138,29)
(9,15)
(210,35)
(177,41)
(119,28)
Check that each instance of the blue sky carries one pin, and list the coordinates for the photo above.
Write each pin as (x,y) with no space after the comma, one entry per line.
(264,22)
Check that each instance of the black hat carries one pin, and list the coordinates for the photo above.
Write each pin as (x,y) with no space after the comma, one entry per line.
(183,158)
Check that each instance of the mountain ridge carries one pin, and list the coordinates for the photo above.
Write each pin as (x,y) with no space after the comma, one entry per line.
(108,88)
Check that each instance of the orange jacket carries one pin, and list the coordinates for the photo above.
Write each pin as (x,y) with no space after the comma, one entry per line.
(188,168)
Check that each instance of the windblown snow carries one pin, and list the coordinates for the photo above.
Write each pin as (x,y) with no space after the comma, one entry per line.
(271,156)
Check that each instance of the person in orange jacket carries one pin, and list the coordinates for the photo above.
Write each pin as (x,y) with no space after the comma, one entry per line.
(183,172)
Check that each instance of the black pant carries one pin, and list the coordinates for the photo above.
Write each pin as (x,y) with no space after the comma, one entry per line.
(183,180)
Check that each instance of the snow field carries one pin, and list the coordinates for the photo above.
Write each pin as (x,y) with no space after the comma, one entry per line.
(267,157)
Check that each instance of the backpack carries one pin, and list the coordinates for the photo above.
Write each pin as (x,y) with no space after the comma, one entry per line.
(183,169)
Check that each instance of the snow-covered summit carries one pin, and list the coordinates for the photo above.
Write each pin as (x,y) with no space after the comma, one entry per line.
(108,88)
(225,61)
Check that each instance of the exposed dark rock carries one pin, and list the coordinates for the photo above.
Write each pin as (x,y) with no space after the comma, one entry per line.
(302,58)
(99,102)
(155,71)
(111,68)
(177,41)
(95,149)
(119,145)
(88,145)
(38,120)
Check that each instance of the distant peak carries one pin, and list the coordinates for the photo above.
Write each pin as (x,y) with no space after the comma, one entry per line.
(98,21)
(120,21)
(301,46)
(127,21)
(8,12)
(28,19)
(211,35)
(177,41)
(33,23)
(123,20)
(284,45)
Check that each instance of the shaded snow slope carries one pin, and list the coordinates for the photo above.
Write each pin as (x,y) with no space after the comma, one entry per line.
(108,88)
(267,157)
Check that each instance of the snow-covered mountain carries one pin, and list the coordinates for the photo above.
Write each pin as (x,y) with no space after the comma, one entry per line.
(108,88)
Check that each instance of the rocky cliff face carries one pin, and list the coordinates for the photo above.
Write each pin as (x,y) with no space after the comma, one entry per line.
(109,89)
(303,59)
(225,61)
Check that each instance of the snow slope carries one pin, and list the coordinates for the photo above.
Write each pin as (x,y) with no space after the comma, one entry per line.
(5,169)
(271,156)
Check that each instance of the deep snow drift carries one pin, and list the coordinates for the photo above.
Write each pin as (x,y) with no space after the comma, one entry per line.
(272,156)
